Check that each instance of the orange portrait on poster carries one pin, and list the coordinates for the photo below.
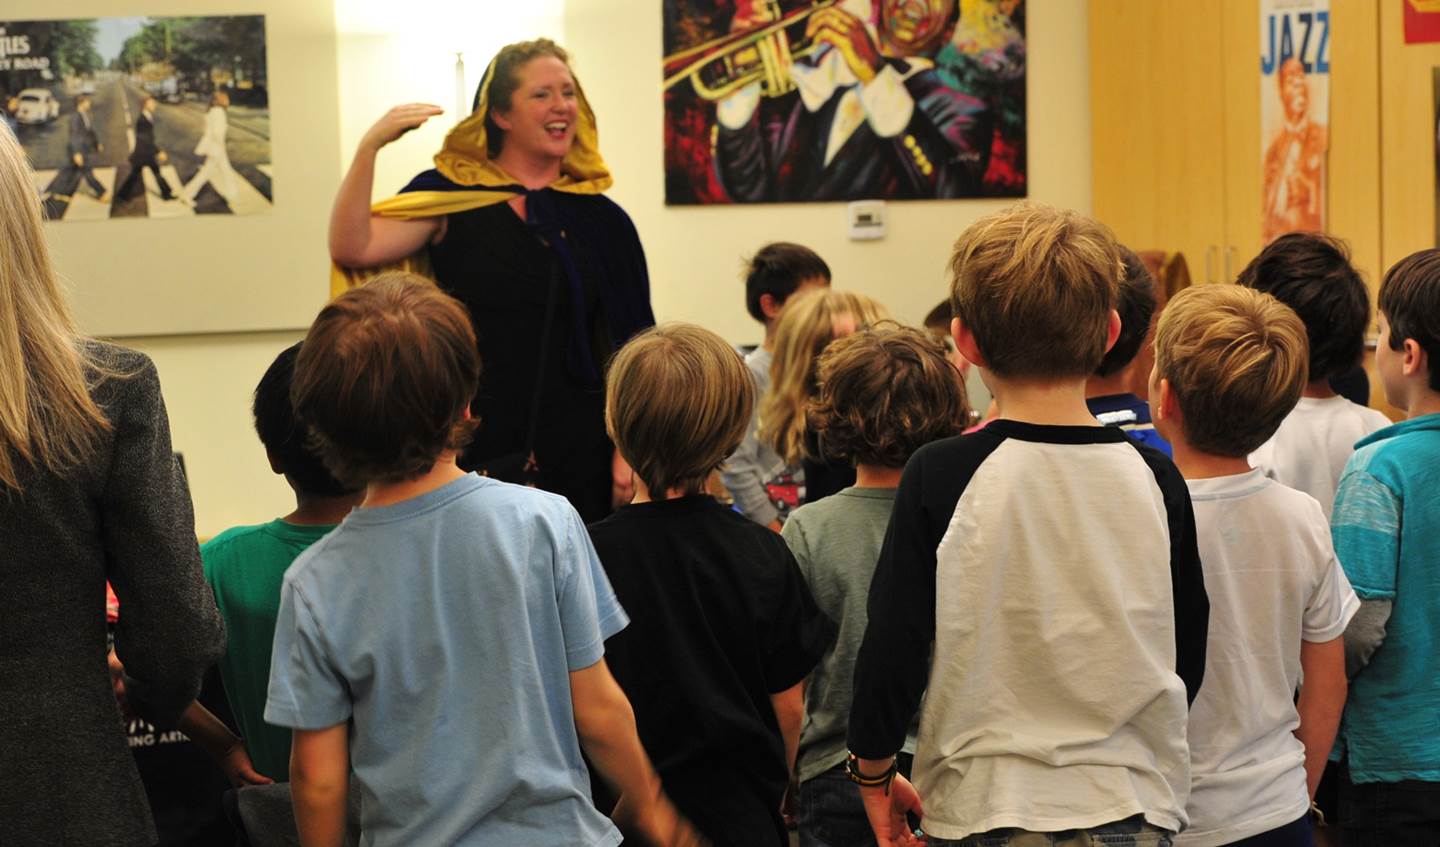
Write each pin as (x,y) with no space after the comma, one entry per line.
(1294,165)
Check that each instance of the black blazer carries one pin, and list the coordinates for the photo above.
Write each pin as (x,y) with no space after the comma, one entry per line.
(122,514)
(145,149)
(83,139)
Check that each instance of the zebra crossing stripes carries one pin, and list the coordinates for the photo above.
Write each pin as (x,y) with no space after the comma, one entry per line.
(83,204)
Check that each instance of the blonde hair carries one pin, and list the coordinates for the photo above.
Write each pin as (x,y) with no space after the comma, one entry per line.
(1036,286)
(47,417)
(807,324)
(678,402)
(1236,359)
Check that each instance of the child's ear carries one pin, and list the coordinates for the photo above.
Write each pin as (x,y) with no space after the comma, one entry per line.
(769,308)
(274,463)
(1416,362)
(1165,405)
(965,343)
(1112,333)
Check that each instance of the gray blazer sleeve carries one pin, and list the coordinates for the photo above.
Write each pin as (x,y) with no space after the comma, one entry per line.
(169,630)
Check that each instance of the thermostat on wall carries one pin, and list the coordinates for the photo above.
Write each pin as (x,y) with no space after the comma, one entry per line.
(867,220)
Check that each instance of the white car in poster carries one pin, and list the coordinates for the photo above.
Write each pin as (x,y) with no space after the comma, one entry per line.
(36,106)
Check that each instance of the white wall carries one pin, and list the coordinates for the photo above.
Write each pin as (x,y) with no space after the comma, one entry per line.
(402,52)
(695,253)
(207,381)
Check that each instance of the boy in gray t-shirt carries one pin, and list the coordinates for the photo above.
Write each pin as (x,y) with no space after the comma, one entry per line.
(884,393)
(446,640)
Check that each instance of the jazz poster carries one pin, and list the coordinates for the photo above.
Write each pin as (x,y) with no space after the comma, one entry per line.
(785,101)
(140,117)
(1294,114)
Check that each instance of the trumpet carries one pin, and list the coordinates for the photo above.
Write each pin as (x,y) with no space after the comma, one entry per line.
(763,54)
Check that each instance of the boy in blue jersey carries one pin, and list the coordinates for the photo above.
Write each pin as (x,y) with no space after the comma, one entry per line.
(1386,524)
(1110,391)
(445,642)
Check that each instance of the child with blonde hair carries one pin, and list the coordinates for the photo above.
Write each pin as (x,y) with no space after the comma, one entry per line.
(1229,366)
(722,628)
(883,393)
(811,321)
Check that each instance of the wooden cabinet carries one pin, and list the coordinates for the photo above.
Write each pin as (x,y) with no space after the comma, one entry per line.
(1175,117)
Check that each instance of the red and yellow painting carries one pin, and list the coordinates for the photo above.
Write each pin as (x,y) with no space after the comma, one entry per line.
(768,101)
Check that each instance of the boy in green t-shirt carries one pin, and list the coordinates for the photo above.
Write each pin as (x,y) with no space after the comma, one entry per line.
(245,565)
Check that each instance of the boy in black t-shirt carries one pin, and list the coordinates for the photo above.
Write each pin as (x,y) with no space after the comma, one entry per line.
(722,628)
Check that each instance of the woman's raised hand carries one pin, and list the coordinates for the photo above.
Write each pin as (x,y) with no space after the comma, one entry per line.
(397,122)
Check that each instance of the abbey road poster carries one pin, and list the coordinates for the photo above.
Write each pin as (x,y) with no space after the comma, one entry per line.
(141,117)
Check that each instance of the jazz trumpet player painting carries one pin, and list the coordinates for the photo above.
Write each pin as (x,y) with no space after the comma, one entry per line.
(785,101)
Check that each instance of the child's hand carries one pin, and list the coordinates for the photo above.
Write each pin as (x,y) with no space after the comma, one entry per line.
(659,824)
(239,769)
(117,685)
(888,814)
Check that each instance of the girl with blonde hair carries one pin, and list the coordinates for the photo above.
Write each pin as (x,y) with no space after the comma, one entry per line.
(808,324)
(89,492)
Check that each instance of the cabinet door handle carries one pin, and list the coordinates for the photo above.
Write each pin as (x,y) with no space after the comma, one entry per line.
(1210,252)
(1229,254)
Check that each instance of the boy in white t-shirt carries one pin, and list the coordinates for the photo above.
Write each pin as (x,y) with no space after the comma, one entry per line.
(1311,273)
(1229,363)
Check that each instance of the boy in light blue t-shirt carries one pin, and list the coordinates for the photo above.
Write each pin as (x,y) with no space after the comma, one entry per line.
(446,640)
(1386,524)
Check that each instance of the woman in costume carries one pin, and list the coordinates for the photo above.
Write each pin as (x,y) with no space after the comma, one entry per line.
(217,169)
(89,492)
(512,222)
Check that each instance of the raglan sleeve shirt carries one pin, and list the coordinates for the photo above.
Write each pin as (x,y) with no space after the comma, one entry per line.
(1365,526)
(894,659)
(1187,576)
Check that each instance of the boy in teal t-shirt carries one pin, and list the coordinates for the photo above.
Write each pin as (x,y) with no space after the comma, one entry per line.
(246,565)
(1385,524)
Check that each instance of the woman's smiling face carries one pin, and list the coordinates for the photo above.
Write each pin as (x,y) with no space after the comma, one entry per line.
(541,119)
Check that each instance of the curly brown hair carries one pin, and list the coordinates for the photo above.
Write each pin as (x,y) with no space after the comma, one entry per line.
(885,392)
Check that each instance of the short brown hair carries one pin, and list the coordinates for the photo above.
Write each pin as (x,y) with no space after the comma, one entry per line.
(1236,360)
(1410,302)
(1036,286)
(885,392)
(384,378)
(678,402)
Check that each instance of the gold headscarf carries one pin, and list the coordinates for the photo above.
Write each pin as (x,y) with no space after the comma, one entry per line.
(465,161)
